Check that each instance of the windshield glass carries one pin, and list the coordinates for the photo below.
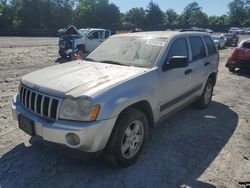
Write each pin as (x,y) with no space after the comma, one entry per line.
(128,50)
(227,35)
(216,38)
(84,32)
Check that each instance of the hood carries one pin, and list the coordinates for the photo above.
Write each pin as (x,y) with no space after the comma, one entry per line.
(71,30)
(79,78)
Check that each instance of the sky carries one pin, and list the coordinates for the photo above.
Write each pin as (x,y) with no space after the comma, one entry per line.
(211,7)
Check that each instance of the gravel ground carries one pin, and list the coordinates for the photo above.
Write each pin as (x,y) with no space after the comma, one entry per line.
(193,148)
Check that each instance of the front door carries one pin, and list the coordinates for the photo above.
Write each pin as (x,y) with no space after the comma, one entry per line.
(93,40)
(199,62)
(174,84)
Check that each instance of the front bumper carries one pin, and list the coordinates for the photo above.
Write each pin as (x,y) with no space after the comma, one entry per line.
(65,51)
(238,64)
(93,135)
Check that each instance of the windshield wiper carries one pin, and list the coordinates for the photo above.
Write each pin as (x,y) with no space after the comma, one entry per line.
(113,62)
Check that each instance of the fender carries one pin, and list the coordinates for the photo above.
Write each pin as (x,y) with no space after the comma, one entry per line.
(141,88)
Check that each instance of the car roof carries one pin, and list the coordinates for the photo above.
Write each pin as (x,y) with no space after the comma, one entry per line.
(162,34)
(91,29)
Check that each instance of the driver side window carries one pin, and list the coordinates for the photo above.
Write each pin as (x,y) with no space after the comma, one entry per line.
(95,35)
(179,48)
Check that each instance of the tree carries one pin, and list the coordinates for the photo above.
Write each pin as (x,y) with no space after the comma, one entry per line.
(154,15)
(136,16)
(171,17)
(97,13)
(193,16)
(107,15)
(198,19)
(45,14)
(237,12)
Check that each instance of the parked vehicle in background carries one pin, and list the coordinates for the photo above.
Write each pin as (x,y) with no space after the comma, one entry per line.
(248,31)
(219,41)
(198,29)
(241,31)
(81,41)
(209,31)
(236,30)
(240,57)
(108,101)
(60,32)
(232,39)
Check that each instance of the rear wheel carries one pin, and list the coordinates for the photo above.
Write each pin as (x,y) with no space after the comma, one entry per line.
(62,54)
(231,69)
(206,97)
(80,52)
(127,139)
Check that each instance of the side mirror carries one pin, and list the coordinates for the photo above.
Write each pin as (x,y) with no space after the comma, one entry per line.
(176,62)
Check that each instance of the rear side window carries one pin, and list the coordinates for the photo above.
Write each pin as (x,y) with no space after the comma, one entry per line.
(198,48)
(210,46)
(106,34)
(179,48)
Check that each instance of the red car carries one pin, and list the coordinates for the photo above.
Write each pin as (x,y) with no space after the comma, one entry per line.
(240,57)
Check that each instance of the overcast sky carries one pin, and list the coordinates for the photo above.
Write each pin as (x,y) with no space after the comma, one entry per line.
(211,7)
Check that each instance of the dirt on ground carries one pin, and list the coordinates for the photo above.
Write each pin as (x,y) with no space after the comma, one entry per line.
(193,148)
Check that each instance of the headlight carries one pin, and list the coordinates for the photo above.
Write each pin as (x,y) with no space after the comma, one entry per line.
(79,109)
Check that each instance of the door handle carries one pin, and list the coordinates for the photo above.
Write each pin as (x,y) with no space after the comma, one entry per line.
(206,64)
(188,71)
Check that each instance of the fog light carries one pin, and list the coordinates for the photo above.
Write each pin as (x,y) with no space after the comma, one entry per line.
(72,139)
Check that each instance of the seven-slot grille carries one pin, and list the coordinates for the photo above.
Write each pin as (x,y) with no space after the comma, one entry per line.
(39,103)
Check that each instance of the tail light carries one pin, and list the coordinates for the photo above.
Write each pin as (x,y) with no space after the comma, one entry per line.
(234,55)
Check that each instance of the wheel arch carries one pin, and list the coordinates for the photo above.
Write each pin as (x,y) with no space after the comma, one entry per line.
(81,46)
(213,77)
(145,108)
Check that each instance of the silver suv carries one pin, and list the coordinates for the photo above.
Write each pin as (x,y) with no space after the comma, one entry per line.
(108,101)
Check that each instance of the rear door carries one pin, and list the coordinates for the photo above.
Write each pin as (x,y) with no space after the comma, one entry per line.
(198,63)
(211,61)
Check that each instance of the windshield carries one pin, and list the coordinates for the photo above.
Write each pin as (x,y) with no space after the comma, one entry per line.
(216,38)
(128,51)
(227,35)
(84,32)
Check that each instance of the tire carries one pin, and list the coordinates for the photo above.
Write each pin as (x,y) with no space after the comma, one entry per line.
(231,69)
(127,139)
(62,54)
(80,52)
(206,97)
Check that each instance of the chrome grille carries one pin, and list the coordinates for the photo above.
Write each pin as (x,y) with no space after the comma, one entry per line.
(39,103)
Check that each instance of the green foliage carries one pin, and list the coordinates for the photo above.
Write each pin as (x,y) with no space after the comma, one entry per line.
(237,12)
(97,13)
(137,16)
(55,14)
(171,17)
(193,16)
(154,15)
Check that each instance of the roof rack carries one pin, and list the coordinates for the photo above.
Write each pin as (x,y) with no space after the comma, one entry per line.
(196,30)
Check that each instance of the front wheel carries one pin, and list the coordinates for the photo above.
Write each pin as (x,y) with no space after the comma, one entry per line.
(206,97)
(127,139)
